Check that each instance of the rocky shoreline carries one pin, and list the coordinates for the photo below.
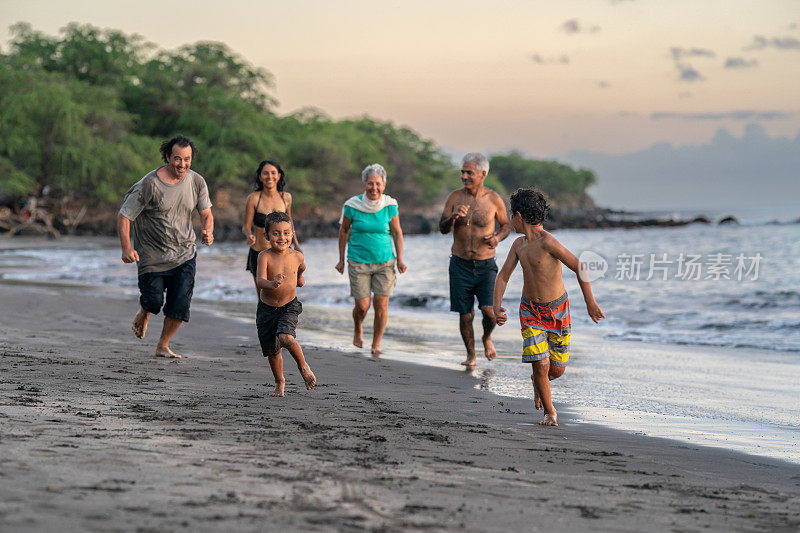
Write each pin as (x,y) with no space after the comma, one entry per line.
(228,223)
(420,224)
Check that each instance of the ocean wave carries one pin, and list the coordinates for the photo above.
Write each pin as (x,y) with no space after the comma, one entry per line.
(730,326)
(772,325)
(787,345)
(433,302)
(763,299)
(783,293)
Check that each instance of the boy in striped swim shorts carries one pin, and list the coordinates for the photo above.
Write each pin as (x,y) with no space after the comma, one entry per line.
(544,308)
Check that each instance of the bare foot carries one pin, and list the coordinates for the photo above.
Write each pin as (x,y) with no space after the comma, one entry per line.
(166,352)
(358,341)
(376,351)
(278,389)
(308,377)
(488,347)
(537,401)
(140,323)
(469,362)
(549,419)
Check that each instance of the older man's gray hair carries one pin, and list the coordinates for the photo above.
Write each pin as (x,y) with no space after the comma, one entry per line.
(373,170)
(479,160)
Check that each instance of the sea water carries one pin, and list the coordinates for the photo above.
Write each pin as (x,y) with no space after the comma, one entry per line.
(701,342)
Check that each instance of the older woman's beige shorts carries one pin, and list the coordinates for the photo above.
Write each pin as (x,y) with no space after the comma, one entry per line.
(377,278)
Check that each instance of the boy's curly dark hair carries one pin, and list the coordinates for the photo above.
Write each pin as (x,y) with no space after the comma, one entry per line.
(531,204)
(180,140)
(277,216)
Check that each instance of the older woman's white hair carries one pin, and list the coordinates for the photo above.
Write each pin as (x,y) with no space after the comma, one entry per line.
(373,170)
(479,160)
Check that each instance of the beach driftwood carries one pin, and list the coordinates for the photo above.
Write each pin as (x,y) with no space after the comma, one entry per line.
(32,218)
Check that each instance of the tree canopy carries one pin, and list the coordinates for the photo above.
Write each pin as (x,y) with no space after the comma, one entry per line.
(83,114)
(563,185)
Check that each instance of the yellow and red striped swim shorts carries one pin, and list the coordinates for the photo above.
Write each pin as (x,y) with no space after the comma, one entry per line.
(545,330)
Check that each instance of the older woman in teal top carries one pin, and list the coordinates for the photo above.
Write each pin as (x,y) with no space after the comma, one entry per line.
(369,225)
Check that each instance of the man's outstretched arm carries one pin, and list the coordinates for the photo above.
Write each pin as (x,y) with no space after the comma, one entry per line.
(501,217)
(450,214)
(501,220)
(207,235)
(129,255)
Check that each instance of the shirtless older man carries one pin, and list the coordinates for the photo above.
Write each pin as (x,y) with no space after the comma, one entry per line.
(477,216)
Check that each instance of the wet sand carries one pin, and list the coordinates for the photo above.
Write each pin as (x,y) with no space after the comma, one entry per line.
(96,434)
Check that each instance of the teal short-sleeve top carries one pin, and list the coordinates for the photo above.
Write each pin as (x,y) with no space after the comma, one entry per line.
(370,239)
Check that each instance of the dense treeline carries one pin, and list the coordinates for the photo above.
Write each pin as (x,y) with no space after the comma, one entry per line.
(563,185)
(82,115)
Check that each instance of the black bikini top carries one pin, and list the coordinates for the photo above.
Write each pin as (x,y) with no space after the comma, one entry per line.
(260,219)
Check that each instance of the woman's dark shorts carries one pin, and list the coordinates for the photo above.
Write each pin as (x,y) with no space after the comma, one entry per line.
(177,282)
(272,321)
(252,262)
(468,279)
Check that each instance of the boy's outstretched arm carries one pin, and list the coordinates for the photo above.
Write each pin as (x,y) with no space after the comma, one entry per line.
(300,269)
(568,258)
(261,278)
(501,283)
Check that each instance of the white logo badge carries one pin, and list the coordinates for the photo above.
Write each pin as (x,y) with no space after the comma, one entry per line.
(594,266)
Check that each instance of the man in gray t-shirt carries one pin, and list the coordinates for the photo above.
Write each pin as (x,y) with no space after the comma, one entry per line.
(160,205)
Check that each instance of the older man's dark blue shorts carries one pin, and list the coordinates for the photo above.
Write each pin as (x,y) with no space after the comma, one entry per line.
(470,279)
(178,284)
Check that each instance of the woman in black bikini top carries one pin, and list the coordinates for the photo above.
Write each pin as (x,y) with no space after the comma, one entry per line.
(270,182)
(259,218)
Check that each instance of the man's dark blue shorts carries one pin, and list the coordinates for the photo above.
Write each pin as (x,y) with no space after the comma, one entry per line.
(178,283)
(468,279)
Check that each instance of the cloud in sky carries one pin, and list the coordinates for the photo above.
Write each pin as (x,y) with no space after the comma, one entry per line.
(539,59)
(603,84)
(718,173)
(572,26)
(745,114)
(679,53)
(688,73)
(740,62)
(685,94)
(779,43)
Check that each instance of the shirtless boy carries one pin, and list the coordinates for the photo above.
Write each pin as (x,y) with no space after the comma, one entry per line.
(544,308)
(477,216)
(279,273)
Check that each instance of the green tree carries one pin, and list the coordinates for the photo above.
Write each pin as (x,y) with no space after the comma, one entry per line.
(563,185)
(96,104)
(100,57)
(66,134)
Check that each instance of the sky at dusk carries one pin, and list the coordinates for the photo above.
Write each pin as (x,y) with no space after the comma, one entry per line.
(552,78)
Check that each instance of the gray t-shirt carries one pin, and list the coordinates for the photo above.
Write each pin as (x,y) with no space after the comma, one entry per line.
(163,235)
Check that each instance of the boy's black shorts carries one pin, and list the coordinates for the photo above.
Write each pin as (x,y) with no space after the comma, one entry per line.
(272,321)
(179,285)
(468,279)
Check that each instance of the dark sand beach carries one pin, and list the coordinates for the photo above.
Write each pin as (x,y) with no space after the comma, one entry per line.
(96,434)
